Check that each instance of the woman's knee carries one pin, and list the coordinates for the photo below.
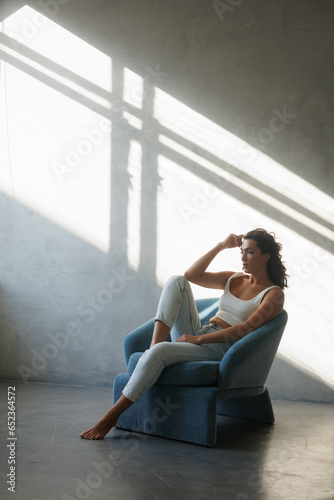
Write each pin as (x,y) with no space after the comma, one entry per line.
(176,278)
(159,349)
(159,353)
(179,281)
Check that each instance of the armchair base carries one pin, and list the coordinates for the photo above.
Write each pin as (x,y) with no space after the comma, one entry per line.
(257,408)
(187,413)
(173,412)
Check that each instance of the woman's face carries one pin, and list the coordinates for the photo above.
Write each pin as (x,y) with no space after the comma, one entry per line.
(253,260)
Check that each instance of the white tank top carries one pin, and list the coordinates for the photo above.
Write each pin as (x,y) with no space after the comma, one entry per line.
(234,310)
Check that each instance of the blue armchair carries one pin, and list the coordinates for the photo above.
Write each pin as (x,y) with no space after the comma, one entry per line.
(186,399)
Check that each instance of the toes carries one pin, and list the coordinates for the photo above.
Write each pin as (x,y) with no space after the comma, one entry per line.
(86,434)
(90,434)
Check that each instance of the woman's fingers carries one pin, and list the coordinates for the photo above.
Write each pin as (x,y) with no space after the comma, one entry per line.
(240,239)
(234,240)
(187,338)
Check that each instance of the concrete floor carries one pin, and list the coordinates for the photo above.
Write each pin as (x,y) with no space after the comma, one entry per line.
(292,459)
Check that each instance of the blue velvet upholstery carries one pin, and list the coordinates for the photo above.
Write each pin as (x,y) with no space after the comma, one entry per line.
(188,396)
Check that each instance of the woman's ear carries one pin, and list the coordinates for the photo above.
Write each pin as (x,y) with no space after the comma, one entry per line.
(267,256)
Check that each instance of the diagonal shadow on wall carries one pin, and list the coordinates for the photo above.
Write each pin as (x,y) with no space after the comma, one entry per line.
(123,133)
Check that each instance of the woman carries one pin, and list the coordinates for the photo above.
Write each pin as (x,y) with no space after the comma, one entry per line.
(249,300)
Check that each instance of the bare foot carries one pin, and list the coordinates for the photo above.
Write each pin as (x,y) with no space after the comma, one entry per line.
(101,428)
(108,421)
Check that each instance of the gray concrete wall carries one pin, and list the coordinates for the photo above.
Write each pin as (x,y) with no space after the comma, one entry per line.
(134,136)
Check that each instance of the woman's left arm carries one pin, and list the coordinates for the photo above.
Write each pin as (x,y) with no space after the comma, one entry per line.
(270,307)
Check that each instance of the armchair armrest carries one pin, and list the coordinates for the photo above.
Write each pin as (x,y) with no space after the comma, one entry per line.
(247,363)
(139,340)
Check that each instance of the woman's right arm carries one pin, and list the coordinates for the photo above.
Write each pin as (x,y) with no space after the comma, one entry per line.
(197,272)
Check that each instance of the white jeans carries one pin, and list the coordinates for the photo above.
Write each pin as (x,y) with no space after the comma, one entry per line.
(177,309)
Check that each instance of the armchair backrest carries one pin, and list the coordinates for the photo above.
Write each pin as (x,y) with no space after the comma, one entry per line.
(247,363)
(207,308)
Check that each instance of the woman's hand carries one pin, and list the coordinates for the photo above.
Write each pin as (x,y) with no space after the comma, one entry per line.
(233,241)
(190,339)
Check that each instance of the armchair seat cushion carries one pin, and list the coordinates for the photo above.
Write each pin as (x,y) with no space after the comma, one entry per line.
(190,373)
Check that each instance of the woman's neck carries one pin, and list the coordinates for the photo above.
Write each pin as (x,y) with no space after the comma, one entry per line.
(260,279)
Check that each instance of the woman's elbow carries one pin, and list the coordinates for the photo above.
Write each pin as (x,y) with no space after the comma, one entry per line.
(244,329)
(190,276)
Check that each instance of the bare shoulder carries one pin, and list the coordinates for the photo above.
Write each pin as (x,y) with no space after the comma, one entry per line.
(275,295)
(226,275)
(221,278)
(240,279)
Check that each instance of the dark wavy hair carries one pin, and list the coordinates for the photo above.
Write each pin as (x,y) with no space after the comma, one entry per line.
(267,244)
